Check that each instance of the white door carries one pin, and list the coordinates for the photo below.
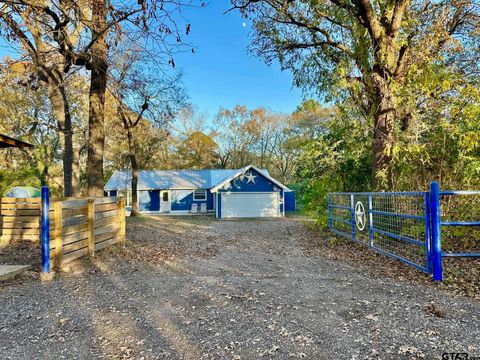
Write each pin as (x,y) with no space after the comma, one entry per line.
(165,201)
(250,205)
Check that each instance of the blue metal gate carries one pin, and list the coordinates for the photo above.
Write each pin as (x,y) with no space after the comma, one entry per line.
(404,225)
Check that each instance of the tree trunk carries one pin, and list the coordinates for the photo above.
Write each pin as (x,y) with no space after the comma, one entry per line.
(68,155)
(134,164)
(384,131)
(76,171)
(61,110)
(98,86)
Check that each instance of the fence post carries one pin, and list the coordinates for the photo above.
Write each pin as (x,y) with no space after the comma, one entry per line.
(58,217)
(436,231)
(91,226)
(329,209)
(121,214)
(370,219)
(352,215)
(45,219)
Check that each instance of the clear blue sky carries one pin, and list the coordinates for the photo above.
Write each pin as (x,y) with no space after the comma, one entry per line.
(222,74)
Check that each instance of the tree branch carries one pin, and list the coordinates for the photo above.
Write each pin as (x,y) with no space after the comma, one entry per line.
(368,15)
(397,16)
(314,29)
(19,33)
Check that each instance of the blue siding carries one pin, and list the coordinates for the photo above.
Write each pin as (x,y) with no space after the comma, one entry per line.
(185,204)
(154,200)
(290,203)
(261,184)
(149,200)
(209,201)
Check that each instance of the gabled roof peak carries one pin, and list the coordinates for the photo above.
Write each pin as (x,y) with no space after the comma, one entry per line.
(242,171)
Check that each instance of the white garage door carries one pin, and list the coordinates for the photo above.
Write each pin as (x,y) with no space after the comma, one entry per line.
(250,205)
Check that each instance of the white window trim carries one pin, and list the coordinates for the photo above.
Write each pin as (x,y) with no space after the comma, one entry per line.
(127,194)
(205,192)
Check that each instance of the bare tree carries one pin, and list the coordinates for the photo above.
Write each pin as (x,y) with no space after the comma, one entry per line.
(143,95)
(49,70)
(85,33)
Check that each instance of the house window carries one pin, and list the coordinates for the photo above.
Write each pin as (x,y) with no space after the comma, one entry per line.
(127,195)
(200,195)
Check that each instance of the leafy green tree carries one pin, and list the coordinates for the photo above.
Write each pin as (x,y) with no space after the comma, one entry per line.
(25,113)
(369,52)
(445,144)
(198,151)
(335,155)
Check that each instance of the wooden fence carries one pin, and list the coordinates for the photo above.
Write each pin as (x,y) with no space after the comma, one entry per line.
(19,220)
(78,226)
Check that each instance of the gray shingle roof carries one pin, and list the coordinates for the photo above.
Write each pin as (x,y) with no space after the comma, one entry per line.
(170,179)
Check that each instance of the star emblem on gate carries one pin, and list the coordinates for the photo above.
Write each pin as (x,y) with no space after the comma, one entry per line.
(360,218)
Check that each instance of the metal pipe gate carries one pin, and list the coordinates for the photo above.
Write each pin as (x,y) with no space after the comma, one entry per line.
(404,225)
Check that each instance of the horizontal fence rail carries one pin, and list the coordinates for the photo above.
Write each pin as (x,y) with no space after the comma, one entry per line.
(417,228)
(395,224)
(80,227)
(66,228)
(19,220)
(460,223)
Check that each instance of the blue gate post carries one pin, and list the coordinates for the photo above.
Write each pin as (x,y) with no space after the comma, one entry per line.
(436,231)
(45,230)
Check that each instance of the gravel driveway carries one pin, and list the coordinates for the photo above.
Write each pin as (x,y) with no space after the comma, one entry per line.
(197,288)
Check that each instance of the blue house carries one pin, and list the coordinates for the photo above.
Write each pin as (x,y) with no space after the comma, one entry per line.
(227,193)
